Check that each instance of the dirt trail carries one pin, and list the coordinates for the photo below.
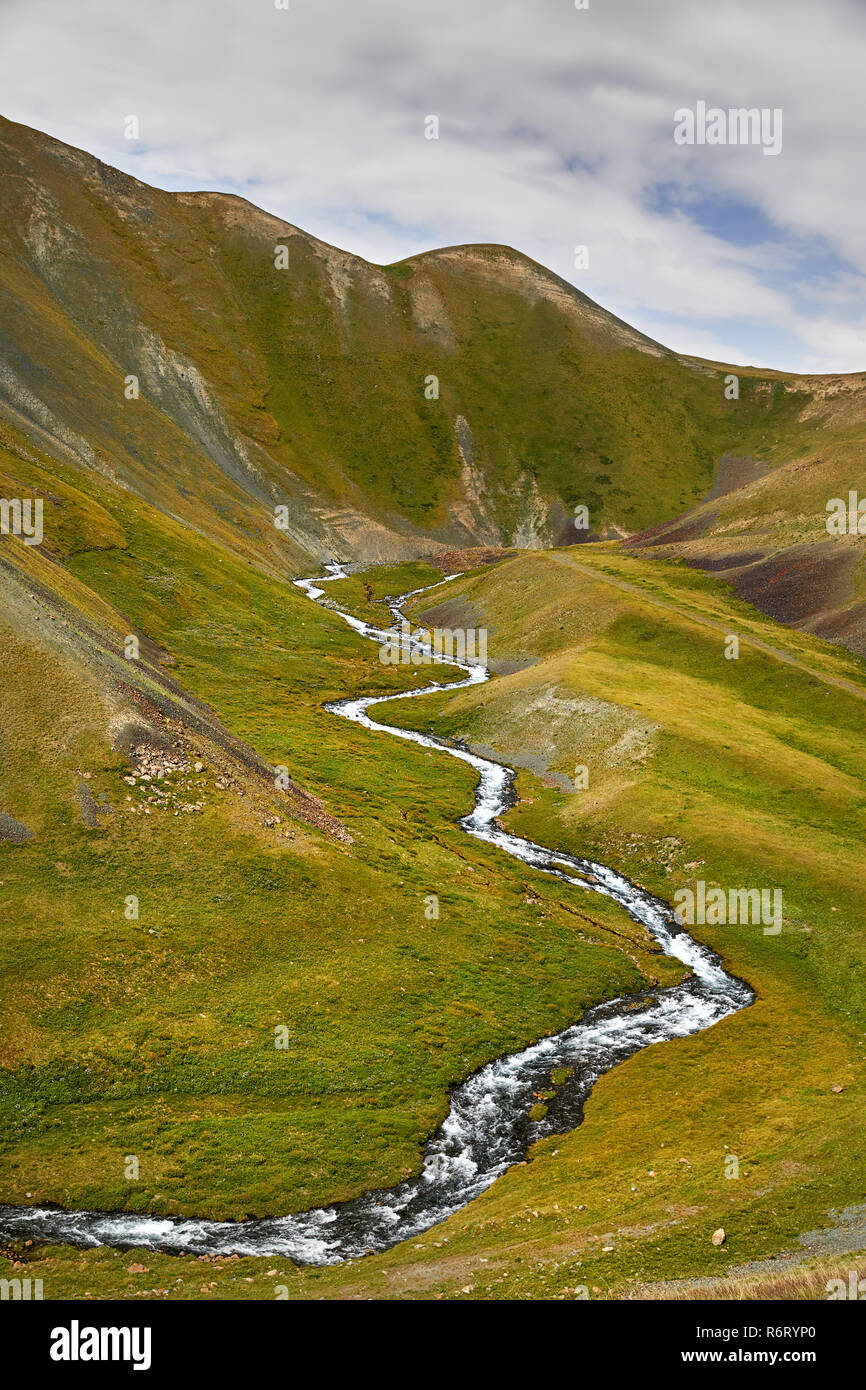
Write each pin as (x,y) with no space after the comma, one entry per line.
(846,1237)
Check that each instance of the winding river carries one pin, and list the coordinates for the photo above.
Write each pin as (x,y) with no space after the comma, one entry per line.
(488,1128)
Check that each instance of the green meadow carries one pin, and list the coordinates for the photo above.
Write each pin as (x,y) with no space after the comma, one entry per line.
(155,1037)
(226,997)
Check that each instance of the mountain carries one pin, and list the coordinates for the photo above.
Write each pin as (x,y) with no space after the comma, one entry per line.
(306,387)
(764,530)
(235,979)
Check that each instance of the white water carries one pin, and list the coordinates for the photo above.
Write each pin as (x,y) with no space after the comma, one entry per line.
(488,1127)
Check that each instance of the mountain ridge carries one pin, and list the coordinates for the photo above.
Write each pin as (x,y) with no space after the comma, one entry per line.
(259,380)
(462,397)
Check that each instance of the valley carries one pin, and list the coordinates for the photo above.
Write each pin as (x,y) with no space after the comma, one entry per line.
(226,994)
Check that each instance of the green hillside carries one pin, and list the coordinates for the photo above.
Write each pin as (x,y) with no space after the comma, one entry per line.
(273,369)
(159,668)
(736,772)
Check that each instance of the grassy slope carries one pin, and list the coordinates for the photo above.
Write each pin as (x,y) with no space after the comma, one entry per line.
(753,776)
(750,770)
(750,775)
(156,1037)
(771,534)
(547,393)
(306,385)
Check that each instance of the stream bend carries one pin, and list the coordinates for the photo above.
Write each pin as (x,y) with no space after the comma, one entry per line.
(488,1128)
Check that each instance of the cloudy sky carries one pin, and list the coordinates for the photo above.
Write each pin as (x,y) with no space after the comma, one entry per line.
(556,130)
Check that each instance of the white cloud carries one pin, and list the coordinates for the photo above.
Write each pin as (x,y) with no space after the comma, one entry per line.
(556,125)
